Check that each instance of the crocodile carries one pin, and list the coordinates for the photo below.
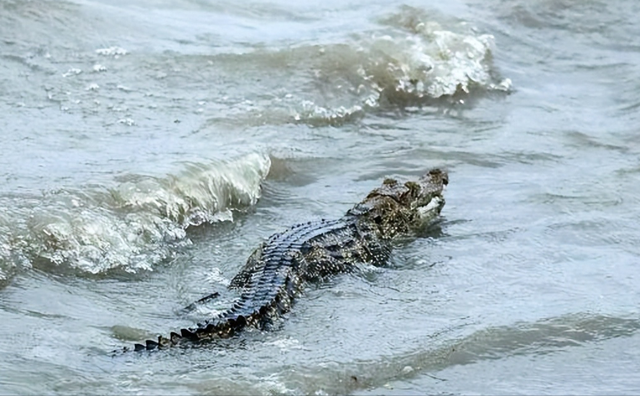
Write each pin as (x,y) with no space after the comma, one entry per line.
(277,271)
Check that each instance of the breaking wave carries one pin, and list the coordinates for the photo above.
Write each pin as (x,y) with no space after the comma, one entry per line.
(130,226)
(411,61)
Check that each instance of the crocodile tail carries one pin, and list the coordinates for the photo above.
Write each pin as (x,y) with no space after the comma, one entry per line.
(161,343)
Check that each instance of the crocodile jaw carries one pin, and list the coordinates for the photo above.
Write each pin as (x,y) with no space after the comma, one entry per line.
(432,209)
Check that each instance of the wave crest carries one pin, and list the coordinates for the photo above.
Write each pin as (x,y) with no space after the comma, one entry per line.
(414,61)
(423,61)
(132,226)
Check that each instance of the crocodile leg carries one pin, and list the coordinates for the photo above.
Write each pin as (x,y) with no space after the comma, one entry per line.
(203,300)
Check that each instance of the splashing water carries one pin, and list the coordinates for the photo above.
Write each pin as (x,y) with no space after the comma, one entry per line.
(131,226)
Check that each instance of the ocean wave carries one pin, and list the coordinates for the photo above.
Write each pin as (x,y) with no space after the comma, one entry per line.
(411,60)
(7,265)
(131,226)
(423,60)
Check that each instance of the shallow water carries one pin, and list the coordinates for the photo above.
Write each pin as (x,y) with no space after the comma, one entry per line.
(148,148)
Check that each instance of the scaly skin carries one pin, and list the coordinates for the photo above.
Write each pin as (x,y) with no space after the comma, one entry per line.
(277,271)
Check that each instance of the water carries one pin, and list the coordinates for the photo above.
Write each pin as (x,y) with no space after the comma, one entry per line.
(148,148)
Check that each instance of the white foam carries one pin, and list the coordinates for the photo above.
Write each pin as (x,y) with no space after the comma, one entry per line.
(135,225)
(112,51)
(430,210)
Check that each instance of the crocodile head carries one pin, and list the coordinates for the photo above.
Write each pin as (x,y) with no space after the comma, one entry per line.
(399,208)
